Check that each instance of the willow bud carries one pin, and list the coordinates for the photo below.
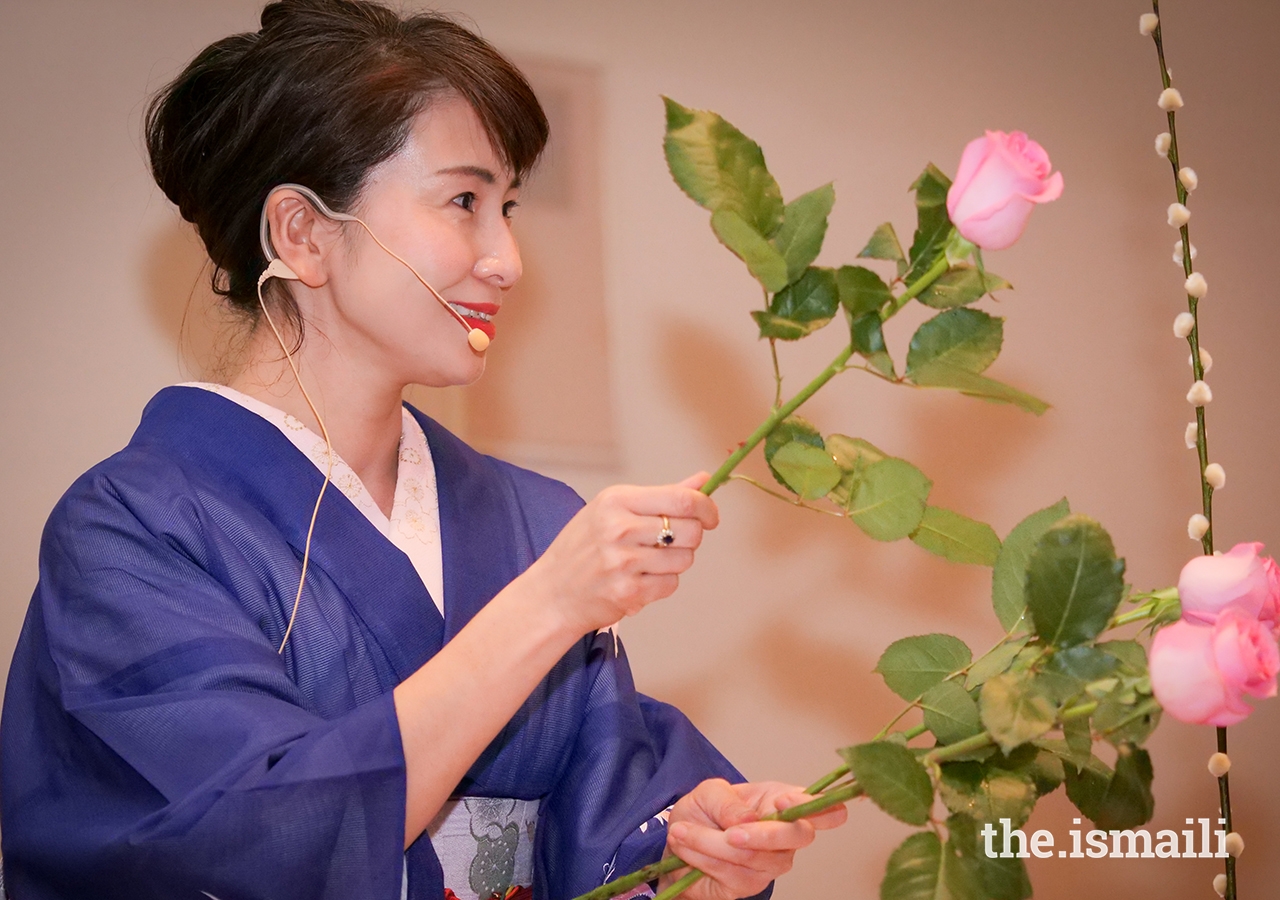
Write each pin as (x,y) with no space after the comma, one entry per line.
(1197,527)
(1170,99)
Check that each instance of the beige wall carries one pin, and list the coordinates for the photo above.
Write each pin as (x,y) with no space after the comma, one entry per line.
(770,642)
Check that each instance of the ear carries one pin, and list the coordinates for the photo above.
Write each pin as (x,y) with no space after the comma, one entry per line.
(301,236)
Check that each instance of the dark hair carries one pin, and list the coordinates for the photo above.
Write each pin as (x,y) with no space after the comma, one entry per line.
(325,91)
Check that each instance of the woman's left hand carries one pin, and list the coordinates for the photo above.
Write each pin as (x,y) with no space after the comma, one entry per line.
(716,827)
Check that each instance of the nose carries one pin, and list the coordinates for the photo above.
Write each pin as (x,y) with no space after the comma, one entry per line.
(499,263)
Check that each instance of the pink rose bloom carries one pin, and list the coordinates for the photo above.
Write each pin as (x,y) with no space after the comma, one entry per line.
(1239,579)
(1001,179)
(1200,673)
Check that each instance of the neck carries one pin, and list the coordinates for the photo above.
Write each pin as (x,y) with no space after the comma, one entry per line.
(361,411)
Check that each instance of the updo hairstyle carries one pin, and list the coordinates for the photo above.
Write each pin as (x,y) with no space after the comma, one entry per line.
(325,91)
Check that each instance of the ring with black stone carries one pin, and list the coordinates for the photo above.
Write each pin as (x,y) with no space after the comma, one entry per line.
(666,537)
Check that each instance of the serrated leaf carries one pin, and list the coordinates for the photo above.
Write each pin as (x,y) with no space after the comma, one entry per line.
(982,387)
(965,340)
(807,470)
(933,226)
(912,665)
(1079,739)
(851,452)
(961,285)
(792,428)
(957,538)
(804,226)
(914,870)
(884,244)
(852,455)
(812,299)
(1114,800)
(868,340)
(861,291)
(987,793)
(1121,720)
(889,499)
(1074,582)
(764,262)
(893,779)
(1000,878)
(950,713)
(1008,579)
(721,168)
(1015,709)
(1045,770)
(1131,654)
(784,329)
(1084,663)
(1060,686)
(994,662)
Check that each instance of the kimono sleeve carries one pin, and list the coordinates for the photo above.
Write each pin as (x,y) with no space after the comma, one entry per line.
(633,758)
(153,744)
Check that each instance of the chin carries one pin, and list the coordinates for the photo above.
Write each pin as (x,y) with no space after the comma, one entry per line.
(454,373)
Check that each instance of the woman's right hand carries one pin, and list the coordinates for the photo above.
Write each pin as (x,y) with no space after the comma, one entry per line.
(607,563)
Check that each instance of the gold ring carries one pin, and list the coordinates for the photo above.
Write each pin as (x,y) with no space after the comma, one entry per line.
(666,537)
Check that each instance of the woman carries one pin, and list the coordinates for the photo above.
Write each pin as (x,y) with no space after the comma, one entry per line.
(226,687)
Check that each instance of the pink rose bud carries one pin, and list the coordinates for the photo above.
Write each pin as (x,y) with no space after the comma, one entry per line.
(1190,435)
(1179,215)
(1241,579)
(1169,100)
(1201,673)
(1188,177)
(1147,23)
(1164,140)
(1000,180)
(1196,285)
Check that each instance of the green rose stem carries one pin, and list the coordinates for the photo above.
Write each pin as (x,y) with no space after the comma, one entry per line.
(1202,444)
(836,366)
(672,863)
(721,475)
(826,796)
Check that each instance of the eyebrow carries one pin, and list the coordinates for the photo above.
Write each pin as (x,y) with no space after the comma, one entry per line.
(476,172)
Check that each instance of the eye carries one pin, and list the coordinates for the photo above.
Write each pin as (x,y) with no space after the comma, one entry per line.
(466,200)
(509,208)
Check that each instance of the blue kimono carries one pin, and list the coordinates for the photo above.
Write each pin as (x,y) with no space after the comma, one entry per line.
(154,744)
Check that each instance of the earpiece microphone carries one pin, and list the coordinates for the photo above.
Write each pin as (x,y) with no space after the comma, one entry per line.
(276,268)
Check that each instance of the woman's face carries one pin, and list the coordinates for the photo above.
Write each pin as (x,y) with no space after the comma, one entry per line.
(443,202)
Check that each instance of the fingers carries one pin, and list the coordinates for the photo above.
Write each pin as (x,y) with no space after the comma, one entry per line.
(676,501)
(831,817)
(695,481)
(746,857)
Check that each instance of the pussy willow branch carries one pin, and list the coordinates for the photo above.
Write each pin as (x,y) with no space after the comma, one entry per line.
(1202,438)
(837,365)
